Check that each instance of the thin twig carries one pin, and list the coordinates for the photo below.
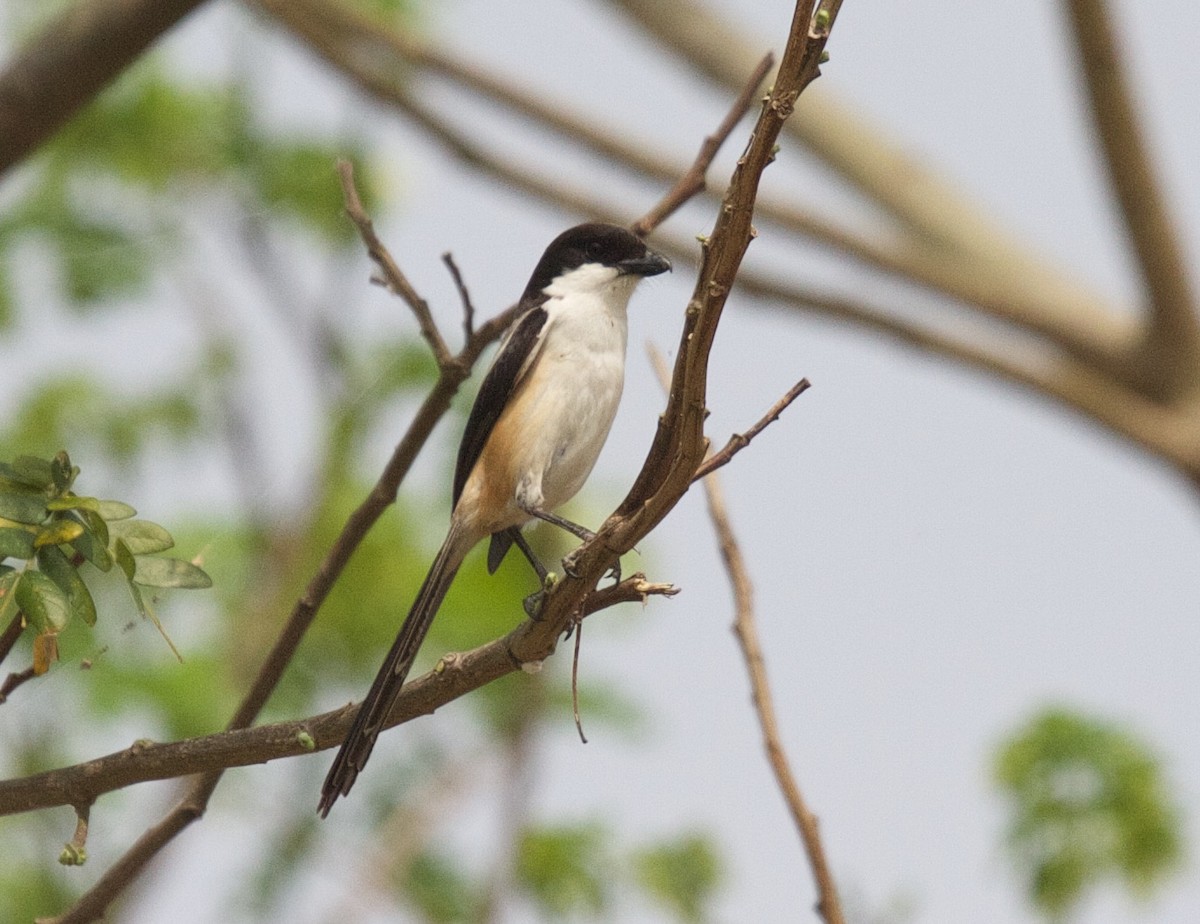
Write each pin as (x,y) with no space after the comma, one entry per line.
(393,277)
(14,680)
(464,296)
(829,905)
(575,682)
(693,181)
(74,852)
(740,441)
(747,634)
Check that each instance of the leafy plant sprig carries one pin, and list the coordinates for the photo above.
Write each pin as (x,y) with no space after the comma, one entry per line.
(52,533)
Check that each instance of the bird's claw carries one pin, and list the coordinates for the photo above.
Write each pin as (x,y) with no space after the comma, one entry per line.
(568,566)
(534,602)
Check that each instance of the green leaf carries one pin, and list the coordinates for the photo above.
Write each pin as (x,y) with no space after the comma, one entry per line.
(15,543)
(169,572)
(440,891)
(58,568)
(142,536)
(43,603)
(564,869)
(58,532)
(1087,802)
(682,875)
(96,526)
(124,559)
(99,260)
(116,510)
(21,503)
(32,471)
(92,543)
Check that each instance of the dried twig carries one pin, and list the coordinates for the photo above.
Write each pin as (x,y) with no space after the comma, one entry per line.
(464,296)
(693,181)
(740,441)
(393,277)
(829,905)
(14,680)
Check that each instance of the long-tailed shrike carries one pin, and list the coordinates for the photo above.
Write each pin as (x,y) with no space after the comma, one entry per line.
(541,417)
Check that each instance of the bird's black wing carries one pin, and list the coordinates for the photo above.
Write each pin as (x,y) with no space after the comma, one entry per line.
(516,354)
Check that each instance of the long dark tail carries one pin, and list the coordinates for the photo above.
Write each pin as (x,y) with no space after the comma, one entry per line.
(375,708)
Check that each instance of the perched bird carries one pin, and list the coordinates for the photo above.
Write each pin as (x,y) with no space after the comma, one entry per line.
(538,424)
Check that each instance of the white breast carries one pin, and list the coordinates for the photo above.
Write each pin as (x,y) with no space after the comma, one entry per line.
(576,386)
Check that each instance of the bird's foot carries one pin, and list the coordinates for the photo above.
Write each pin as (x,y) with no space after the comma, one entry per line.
(568,566)
(534,602)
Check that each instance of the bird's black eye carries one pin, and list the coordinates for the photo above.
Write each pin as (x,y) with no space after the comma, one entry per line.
(594,248)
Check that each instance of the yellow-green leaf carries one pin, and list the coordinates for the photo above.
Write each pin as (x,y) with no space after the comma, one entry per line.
(58,532)
(74,502)
(169,572)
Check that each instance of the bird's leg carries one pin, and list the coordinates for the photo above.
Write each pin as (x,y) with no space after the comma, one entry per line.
(581,532)
(533,603)
(523,544)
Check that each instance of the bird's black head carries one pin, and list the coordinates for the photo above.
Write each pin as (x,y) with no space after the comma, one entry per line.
(595,242)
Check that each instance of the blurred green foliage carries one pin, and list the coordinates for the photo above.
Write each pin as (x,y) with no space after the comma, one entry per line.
(1088,803)
(107,197)
(683,875)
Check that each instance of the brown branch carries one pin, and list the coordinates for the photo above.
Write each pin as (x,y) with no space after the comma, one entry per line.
(464,295)
(740,441)
(693,181)
(393,278)
(454,676)
(14,680)
(71,60)
(828,905)
(12,632)
(1171,368)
